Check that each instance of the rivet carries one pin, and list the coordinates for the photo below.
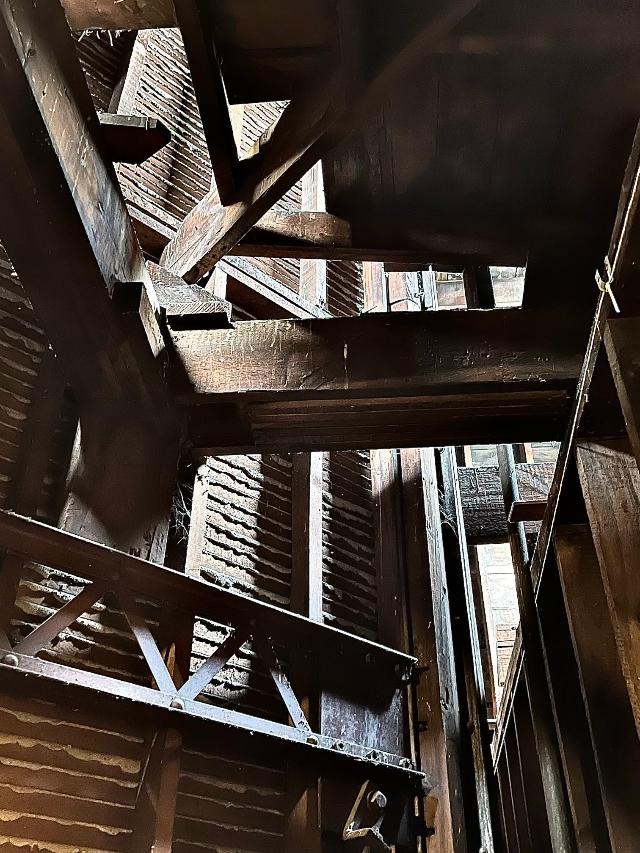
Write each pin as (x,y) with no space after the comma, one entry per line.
(312,740)
(10,660)
(177,703)
(405,763)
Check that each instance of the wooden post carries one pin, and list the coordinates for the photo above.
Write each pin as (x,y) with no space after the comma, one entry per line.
(468,649)
(611,486)
(556,796)
(313,273)
(478,287)
(611,723)
(302,829)
(436,695)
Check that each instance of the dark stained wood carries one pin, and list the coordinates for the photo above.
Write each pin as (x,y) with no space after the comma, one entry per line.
(621,338)
(132,139)
(436,694)
(467,646)
(389,578)
(305,131)
(482,503)
(56,548)
(126,15)
(616,744)
(611,486)
(546,736)
(434,352)
(306,523)
(194,20)
(319,385)
(63,198)
(478,287)
(524,510)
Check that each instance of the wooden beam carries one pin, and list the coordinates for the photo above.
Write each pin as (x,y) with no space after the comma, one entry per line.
(196,26)
(611,486)
(616,744)
(123,15)
(467,645)
(425,353)
(435,696)
(554,782)
(319,384)
(132,139)
(61,197)
(310,125)
(306,523)
(313,273)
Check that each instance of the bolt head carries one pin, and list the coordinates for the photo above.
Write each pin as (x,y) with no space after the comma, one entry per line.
(177,703)
(312,740)
(377,800)
(10,660)
(405,763)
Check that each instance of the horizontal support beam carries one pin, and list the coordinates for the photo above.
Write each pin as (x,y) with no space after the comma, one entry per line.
(119,15)
(527,511)
(31,673)
(449,377)
(395,355)
(59,549)
(485,519)
(132,139)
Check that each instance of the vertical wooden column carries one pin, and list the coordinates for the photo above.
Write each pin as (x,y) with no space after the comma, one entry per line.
(478,287)
(468,650)
(313,273)
(611,486)
(374,285)
(613,734)
(302,831)
(436,694)
(555,789)
(155,809)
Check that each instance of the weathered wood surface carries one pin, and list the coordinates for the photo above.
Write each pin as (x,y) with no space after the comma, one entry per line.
(611,722)
(621,338)
(436,694)
(482,503)
(61,197)
(611,486)
(463,377)
(440,352)
(195,22)
(307,129)
(122,15)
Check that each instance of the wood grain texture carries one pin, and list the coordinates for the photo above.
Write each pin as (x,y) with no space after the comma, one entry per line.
(611,487)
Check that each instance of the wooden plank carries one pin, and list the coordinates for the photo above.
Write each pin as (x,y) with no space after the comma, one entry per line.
(611,486)
(123,15)
(306,523)
(468,649)
(524,510)
(425,351)
(56,548)
(554,782)
(306,130)
(621,342)
(132,138)
(196,26)
(63,197)
(313,273)
(436,694)
(616,744)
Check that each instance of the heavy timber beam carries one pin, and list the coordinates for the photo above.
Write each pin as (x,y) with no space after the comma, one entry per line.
(66,228)
(119,15)
(56,548)
(467,376)
(309,127)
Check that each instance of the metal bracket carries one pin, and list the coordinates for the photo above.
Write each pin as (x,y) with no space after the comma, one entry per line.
(368,809)
(604,284)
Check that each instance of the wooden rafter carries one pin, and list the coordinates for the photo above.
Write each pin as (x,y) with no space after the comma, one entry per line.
(122,15)
(309,127)
(67,230)
(194,20)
